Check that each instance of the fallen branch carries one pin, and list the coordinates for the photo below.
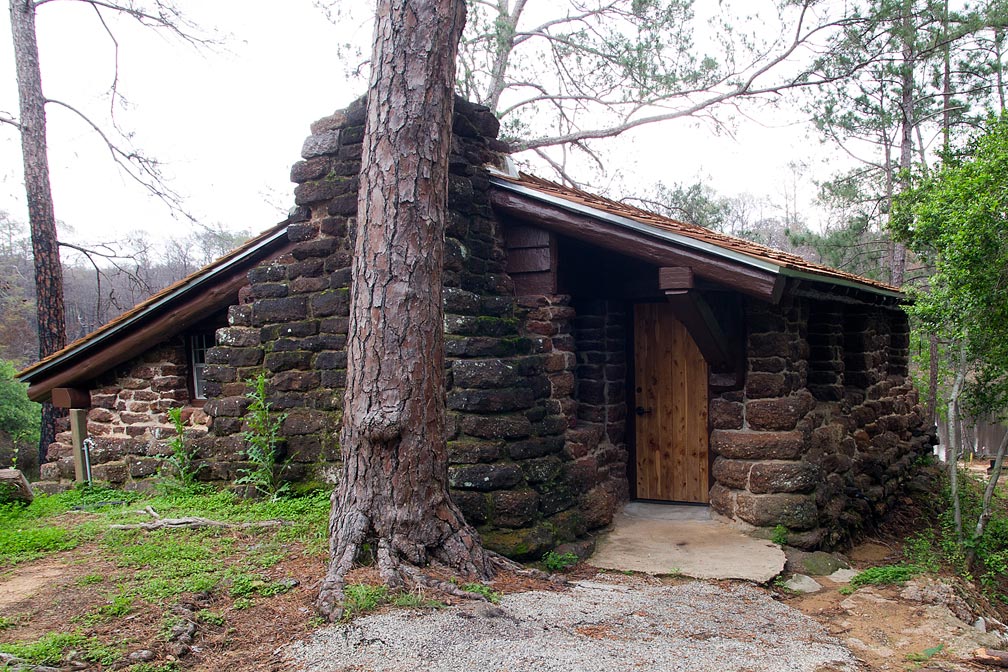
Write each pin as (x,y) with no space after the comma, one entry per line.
(994,657)
(193,522)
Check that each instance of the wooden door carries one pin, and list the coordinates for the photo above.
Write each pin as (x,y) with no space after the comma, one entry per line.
(670,380)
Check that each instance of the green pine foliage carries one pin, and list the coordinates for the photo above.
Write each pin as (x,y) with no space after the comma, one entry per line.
(954,220)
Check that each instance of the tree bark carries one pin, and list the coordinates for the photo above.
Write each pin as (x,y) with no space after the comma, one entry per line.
(42,220)
(954,443)
(393,493)
(908,121)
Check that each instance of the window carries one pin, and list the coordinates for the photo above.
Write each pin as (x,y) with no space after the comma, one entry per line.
(199,343)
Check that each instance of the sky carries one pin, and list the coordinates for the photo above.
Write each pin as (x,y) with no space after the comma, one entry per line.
(227,122)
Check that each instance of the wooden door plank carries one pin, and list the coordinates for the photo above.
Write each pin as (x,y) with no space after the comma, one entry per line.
(653,402)
(671,439)
(697,409)
(681,435)
(665,346)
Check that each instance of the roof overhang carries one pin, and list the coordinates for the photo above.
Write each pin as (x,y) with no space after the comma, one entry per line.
(761,278)
(164,315)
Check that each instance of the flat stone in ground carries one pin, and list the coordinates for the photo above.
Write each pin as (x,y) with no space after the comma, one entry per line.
(800,583)
(653,541)
(842,575)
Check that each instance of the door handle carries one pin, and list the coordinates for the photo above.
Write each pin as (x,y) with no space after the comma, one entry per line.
(640,410)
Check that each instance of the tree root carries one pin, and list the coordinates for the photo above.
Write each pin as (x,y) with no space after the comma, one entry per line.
(193,522)
(399,573)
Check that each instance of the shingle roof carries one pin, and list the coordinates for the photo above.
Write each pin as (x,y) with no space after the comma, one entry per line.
(785,260)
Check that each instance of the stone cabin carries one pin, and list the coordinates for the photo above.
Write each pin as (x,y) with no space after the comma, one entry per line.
(596,352)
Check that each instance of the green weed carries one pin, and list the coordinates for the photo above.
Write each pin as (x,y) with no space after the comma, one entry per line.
(261,441)
(558,562)
(482,589)
(170,666)
(211,617)
(779,535)
(50,649)
(182,460)
(415,600)
(119,606)
(247,585)
(89,580)
(885,575)
(926,654)
(7,622)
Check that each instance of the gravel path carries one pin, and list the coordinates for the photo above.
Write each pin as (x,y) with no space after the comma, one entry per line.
(594,627)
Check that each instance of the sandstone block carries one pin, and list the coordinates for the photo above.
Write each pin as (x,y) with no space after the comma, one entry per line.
(14,487)
(472,504)
(541,469)
(597,507)
(514,508)
(778,414)
(746,445)
(472,452)
(725,414)
(796,512)
(761,385)
(732,473)
(522,544)
(785,476)
(490,401)
(722,500)
(320,144)
(484,477)
(484,373)
(113,472)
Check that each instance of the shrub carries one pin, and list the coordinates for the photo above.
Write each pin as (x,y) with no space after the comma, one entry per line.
(183,455)
(19,416)
(261,441)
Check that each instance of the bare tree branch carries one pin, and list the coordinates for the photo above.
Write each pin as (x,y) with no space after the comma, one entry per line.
(143,169)
(6,118)
(164,16)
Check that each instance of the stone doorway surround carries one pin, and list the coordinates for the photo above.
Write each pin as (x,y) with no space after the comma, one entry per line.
(682,539)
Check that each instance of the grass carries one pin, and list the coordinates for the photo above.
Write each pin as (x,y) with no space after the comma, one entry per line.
(884,575)
(360,598)
(482,589)
(120,605)
(51,648)
(211,617)
(926,654)
(156,567)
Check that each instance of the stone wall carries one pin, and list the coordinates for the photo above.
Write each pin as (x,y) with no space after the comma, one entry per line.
(827,427)
(511,362)
(128,421)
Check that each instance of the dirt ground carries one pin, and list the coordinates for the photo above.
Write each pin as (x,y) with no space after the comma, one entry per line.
(883,628)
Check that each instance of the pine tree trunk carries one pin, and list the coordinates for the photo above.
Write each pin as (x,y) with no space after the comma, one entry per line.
(393,493)
(45,246)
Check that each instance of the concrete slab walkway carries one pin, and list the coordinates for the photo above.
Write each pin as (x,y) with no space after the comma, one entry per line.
(673,539)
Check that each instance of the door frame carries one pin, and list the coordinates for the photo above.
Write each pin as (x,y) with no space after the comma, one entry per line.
(630,431)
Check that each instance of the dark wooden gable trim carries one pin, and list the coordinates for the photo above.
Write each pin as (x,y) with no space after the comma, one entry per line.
(531,259)
(761,284)
(175,319)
